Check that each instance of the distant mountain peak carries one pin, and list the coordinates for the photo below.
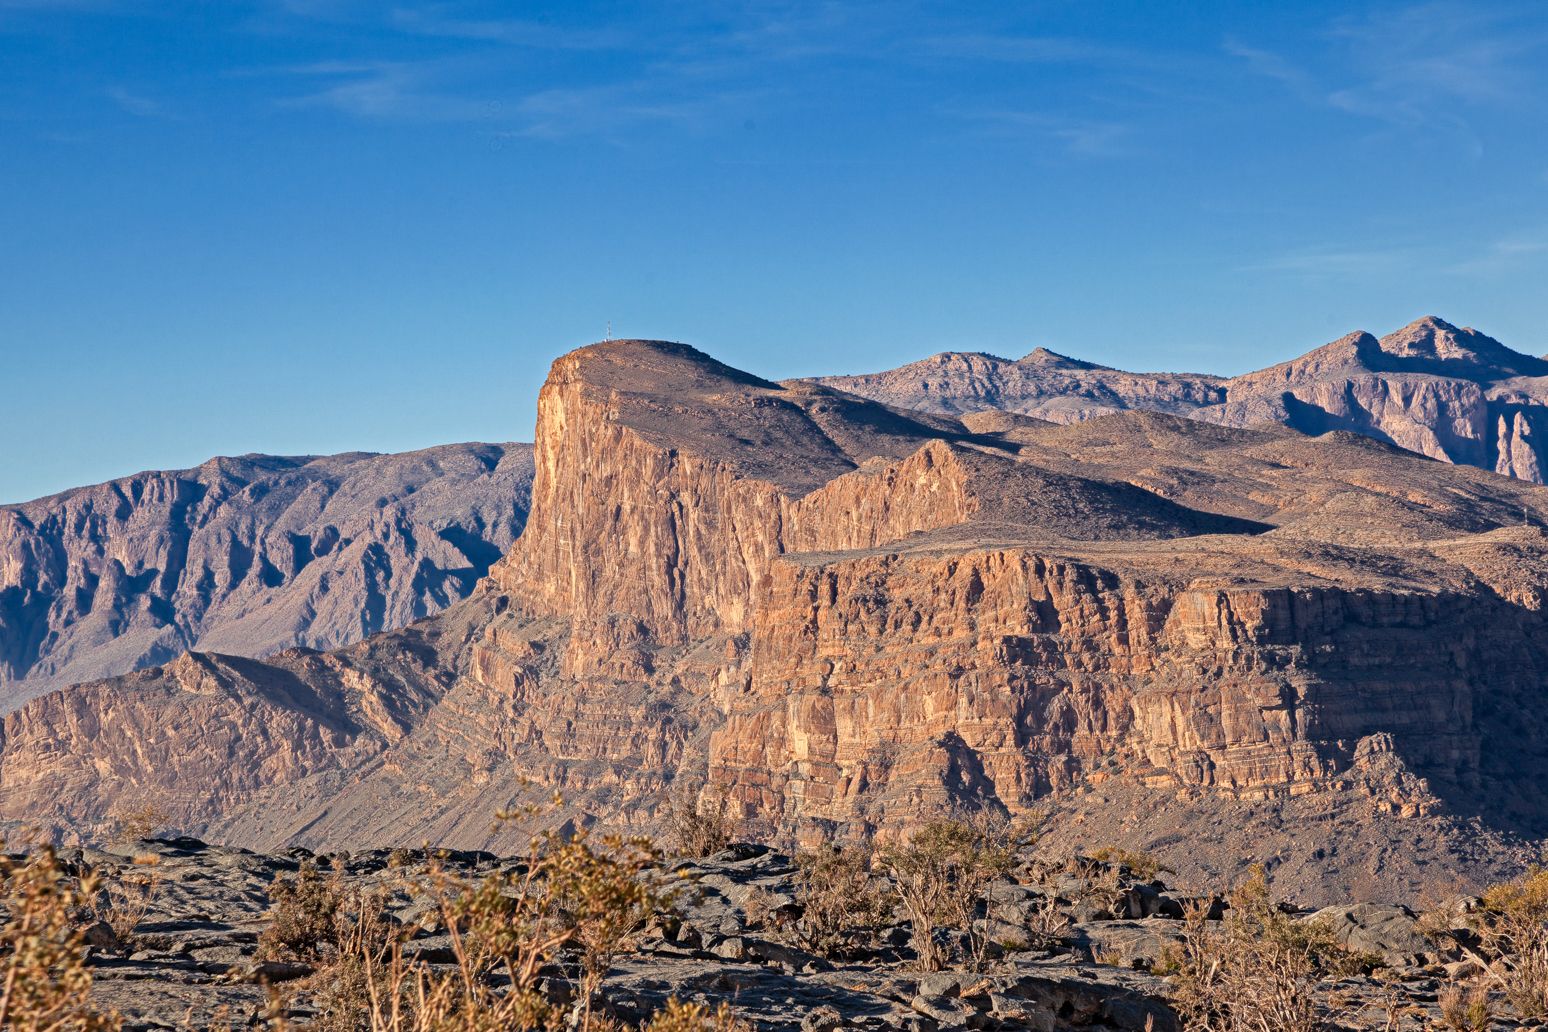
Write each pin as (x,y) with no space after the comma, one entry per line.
(1434,340)
(1052,359)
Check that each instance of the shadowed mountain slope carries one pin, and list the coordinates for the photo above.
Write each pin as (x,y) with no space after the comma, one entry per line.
(247,555)
(847,616)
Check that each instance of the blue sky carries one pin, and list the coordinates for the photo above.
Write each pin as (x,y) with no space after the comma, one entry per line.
(316,225)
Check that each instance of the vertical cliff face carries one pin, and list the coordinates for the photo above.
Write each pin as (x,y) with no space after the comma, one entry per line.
(247,555)
(860,677)
(885,688)
(621,524)
(666,485)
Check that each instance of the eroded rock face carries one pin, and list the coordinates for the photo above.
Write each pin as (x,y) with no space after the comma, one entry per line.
(1042,384)
(846,616)
(1452,394)
(247,556)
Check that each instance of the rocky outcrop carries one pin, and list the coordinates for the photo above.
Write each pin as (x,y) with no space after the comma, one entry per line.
(1452,394)
(248,556)
(1448,393)
(845,616)
(1042,384)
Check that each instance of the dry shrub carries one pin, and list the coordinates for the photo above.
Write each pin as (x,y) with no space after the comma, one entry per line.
(1515,934)
(1047,924)
(592,898)
(44,982)
(677,1016)
(1140,864)
(1255,971)
(941,876)
(1466,1010)
(768,912)
(127,896)
(841,900)
(701,824)
(140,822)
(304,913)
(607,898)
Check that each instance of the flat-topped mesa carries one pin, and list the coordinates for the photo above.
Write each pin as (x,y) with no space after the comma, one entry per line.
(666,483)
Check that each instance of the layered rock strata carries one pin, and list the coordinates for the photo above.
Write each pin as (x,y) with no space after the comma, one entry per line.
(846,616)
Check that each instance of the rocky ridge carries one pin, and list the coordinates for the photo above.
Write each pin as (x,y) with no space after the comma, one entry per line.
(247,556)
(845,616)
(1452,394)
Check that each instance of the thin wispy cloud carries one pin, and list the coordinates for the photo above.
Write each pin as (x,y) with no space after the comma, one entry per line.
(1080,137)
(1421,65)
(1270,65)
(1340,262)
(384,91)
(138,104)
(1027,49)
(1506,254)
(608,110)
(1502,254)
(440,21)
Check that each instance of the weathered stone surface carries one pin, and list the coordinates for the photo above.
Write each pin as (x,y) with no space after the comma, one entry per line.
(191,960)
(1387,930)
(247,555)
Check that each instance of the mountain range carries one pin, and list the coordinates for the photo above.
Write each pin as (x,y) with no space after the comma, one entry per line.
(247,555)
(1452,394)
(1192,632)
(252,554)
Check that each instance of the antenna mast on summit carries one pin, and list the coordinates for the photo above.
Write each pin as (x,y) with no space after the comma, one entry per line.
(609,330)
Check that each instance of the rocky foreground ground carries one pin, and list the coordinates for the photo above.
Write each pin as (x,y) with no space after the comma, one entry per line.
(1080,944)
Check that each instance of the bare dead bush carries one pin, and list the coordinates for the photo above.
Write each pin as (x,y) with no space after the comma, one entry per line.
(841,899)
(1465,1009)
(700,822)
(140,822)
(1515,941)
(1047,924)
(677,1016)
(44,982)
(126,896)
(1140,864)
(941,875)
(587,898)
(1255,971)
(304,915)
